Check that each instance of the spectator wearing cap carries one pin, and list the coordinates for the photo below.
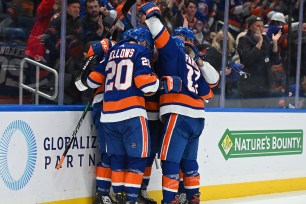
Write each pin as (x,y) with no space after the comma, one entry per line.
(268,21)
(73,29)
(74,48)
(278,22)
(257,54)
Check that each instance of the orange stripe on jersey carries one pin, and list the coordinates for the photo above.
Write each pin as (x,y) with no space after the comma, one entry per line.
(191,182)
(181,98)
(145,137)
(100,89)
(123,103)
(147,171)
(118,176)
(209,95)
(213,85)
(97,77)
(153,9)
(152,106)
(90,52)
(133,179)
(161,41)
(103,172)
(167,136)
(170,184)
(142,80)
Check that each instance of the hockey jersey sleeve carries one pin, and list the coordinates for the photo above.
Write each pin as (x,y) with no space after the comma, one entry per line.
(96,78)
(204,91)
(210,74)
(160,34)
(144,78)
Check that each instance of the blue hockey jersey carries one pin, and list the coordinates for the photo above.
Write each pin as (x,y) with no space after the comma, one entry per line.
(127,77)
(175,62)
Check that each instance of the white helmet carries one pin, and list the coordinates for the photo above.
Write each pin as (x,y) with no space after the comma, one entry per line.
(278,17)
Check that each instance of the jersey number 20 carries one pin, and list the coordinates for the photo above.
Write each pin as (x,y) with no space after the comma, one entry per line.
(120,75)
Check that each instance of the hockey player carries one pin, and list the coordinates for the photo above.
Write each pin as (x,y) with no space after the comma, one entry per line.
(209,73)
(155,129)
(103,170)
(127,76)
(182,113)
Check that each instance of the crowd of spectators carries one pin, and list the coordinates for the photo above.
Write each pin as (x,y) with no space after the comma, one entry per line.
(257,48)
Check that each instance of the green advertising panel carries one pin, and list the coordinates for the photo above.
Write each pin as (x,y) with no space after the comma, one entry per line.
(256,143)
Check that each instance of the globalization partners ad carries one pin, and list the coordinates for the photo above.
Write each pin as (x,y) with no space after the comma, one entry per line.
(30,148)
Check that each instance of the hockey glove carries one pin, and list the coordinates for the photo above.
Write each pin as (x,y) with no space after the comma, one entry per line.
(171,83)
(150,9)
(193,51)
(99,48)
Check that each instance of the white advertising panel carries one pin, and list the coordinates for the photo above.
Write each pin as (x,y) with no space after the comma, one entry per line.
(275,151)
(235,147)
(31,144)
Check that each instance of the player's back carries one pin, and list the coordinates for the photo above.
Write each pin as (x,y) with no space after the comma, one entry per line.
(126,67)
(173,61)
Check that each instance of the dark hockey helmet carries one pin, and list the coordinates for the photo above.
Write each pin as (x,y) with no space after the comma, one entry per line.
(141,35)
(185,32)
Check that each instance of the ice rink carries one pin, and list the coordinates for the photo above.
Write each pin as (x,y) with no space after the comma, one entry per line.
(296,197)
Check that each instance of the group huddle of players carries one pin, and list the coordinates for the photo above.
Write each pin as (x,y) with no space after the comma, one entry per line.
(149,101)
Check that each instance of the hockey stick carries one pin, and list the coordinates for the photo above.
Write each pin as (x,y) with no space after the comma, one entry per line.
(125,9)
(72,137)
(78,81)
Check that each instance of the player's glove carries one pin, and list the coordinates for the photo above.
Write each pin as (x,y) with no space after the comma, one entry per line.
(193,51)
(171,83)
(150,9)
(99,48)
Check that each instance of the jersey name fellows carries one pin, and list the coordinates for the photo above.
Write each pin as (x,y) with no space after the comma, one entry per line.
(121,53)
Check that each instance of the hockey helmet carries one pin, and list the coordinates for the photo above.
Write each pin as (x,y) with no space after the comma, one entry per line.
(278,17)
(126,34)
(185,32)
(179,42)
(142,34)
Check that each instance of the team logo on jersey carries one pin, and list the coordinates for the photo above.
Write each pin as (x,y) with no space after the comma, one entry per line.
(14,155)
(133,145)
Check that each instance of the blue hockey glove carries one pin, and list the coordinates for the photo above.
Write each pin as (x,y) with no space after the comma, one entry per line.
(150,9)
(171,83)
(99,48)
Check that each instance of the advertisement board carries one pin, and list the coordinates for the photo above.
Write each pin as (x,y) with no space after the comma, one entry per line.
(240,154)
(31,144)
